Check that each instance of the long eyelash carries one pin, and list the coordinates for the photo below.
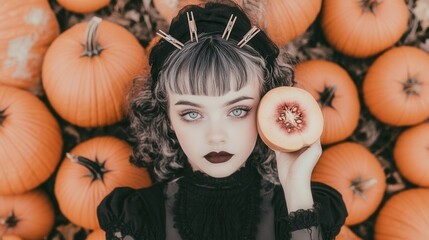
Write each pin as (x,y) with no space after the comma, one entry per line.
(185,112)
(245,108)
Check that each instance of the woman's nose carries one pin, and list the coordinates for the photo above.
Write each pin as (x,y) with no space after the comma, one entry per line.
(216,132)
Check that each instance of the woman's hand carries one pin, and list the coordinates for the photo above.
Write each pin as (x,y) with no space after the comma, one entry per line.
(294,171)
(298,166)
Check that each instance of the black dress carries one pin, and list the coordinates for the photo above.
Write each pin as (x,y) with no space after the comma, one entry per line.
(196,206)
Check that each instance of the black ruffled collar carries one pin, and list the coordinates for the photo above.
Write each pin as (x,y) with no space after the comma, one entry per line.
(242,178)
(218,208)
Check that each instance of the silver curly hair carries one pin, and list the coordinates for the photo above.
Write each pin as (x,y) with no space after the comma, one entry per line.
(211,67)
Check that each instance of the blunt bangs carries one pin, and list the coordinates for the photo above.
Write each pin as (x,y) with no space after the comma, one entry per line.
(211,67)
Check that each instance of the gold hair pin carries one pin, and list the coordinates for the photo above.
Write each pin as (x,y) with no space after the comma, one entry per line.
(229,27)
(248,36)
(170,39)
(192,26)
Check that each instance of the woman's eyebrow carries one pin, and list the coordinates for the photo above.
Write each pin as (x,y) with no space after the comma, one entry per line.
(181,102)
(237,100)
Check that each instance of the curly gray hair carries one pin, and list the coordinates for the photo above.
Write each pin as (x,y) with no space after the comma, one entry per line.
(206,67)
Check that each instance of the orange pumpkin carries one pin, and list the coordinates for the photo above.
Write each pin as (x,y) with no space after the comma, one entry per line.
(404,216)
(28,28)
(347,234)
(337,95)
(83,6)
(363,28)
(97,235)
(29,215)
(11,237)
(356,173)
(283,20)
(168,9)
(90,172)
(396,87)
(30,141)
(411,154)
(86,75)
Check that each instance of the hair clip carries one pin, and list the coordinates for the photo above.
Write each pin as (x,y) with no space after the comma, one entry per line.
(248,36)
(229,27)
(170,39)
(192,27)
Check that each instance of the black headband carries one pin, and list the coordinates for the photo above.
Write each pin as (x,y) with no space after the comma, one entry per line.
(212,18)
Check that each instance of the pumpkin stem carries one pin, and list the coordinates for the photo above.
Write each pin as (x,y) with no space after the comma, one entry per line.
(97,169)
(359,186)
(370,5)
(411,86)
(327,96)
(2,117)
(11,221)
(91,46)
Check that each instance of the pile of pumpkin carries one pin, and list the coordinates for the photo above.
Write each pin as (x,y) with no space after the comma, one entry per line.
(88,91)
(83,74)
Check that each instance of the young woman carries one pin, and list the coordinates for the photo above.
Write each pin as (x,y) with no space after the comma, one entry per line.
(194,120)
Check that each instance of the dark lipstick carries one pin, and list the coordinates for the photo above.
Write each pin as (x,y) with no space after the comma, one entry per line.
(219,157)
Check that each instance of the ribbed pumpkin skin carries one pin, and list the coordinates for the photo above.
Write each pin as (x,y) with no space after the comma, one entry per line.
(11,237)
(342,117)
(345,162)
(404,216)
(360,33)
(283,20)
(78,195)
(411,154)
(83,6)
(383,87)
(34,211)
(27,29)
(90,91)
(97,235)
(30,141)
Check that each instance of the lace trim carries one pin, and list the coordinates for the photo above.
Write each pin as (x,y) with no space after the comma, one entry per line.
(239,179)
(302,219)
(201,202)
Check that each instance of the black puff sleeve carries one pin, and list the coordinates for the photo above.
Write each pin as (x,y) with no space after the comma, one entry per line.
(131,214)
(331,211)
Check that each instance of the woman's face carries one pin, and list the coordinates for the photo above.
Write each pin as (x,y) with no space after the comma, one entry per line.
(217,133)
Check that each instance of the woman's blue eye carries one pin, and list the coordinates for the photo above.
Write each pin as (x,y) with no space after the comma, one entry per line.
(190,116)
(193,115)
(239,112)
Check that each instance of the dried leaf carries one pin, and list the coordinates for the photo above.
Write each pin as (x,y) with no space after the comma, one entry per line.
(68,231)
(422,13)
(424,45)
(367,133)
(399,184)
(72,131)
(120,5)
(133,15)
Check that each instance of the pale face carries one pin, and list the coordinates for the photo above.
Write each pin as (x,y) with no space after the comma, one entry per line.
(217,134)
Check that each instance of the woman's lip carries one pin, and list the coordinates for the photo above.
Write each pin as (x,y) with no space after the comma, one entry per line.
(220,157)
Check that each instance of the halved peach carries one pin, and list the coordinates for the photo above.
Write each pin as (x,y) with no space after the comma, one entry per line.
(289,119)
